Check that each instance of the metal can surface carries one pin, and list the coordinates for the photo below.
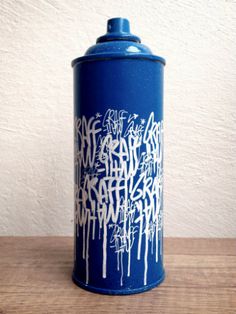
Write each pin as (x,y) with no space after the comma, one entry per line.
(118,127)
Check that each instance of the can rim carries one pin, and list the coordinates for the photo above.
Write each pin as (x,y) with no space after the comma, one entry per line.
(113,56)
(126,291)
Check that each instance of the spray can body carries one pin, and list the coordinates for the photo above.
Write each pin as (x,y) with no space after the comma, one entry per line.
(118,128)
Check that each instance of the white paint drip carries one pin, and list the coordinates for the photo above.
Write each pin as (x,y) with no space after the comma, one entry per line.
(104,262)
(87,250)
(157,242)
(84,226)
(122,268)
(129,250)
(145,258)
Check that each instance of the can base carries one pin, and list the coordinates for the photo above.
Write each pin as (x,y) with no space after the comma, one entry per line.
(117,292)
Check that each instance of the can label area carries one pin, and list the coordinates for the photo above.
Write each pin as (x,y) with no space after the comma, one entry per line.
(118,189)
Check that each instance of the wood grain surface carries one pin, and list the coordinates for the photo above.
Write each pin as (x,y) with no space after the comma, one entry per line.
(35,277)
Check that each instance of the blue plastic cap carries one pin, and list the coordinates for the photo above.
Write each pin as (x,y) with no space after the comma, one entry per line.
(118,29)
(118,25)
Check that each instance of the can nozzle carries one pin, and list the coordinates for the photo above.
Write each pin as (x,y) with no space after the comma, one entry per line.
(118,29)
(118,25)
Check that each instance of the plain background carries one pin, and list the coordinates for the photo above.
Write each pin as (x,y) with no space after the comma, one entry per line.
(38,41)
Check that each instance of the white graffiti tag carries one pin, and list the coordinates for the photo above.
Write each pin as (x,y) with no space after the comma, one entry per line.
(118,187)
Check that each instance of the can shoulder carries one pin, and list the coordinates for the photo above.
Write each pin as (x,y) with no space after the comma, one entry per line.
(117,50)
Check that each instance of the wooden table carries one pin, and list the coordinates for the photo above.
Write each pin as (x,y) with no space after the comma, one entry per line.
(35,277)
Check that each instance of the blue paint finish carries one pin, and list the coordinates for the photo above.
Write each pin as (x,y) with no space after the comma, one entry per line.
(118,102)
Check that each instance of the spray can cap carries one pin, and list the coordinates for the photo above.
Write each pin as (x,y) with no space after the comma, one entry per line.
(118,29)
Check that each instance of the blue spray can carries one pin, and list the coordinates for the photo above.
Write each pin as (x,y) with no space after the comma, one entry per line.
(118,127)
